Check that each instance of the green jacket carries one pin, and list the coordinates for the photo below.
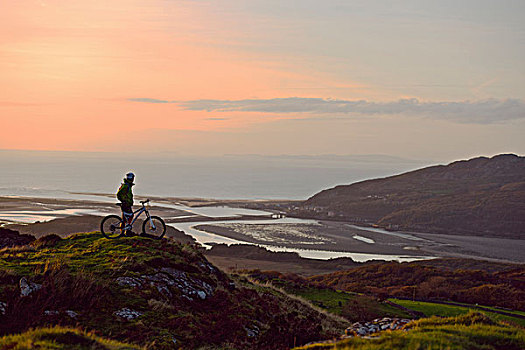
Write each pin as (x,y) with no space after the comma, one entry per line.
(124,193)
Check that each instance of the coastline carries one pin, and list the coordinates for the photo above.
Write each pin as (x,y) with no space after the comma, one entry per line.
(66,216)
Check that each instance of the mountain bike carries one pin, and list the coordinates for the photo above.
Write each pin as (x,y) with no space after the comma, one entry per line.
(113,226)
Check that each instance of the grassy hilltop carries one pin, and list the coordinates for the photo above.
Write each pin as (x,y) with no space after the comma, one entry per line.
(471,331)
(153,294)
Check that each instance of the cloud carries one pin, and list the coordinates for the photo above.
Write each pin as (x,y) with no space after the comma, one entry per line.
(214,118)
(149,100)
(475,112)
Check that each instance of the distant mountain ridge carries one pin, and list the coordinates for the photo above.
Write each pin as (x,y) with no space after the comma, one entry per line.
(480,196)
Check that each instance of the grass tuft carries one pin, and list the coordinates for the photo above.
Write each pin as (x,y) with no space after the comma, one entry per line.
(61,338)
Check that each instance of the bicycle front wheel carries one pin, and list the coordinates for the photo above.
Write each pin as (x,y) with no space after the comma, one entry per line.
(112,226)
(154,227)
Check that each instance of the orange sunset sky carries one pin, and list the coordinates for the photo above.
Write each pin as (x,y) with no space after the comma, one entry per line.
(423,79)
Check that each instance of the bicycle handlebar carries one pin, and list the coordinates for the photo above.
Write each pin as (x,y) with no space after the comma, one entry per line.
(144,202)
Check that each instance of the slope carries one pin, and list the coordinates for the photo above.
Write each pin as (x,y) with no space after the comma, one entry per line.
(471,331)
(481,196)
(149,293)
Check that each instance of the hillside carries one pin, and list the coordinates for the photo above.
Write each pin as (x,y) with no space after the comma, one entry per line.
(471,331)
(67,226)
(153,294)
(504,288)
(480,196)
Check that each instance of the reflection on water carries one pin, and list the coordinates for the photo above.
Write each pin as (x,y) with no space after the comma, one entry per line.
(31,216)
(359,257)
(206,239)
(214,212)
(385,232)
(363,239)
(280,234)
(24,192)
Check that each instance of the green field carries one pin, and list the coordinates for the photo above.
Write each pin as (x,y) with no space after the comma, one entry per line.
(335,301)
(498,309)
(435,309)
(327,299)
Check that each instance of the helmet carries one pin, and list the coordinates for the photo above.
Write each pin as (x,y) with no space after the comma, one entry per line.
(130,177)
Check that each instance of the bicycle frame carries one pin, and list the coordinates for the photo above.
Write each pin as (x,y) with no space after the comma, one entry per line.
(136,216)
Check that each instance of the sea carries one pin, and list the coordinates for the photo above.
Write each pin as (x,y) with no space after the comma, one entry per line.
(64,174)
(81,176)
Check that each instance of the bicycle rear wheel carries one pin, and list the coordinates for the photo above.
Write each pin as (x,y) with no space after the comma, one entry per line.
(112,226)
(154,227)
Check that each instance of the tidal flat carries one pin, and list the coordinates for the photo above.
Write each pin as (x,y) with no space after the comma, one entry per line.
(40,216)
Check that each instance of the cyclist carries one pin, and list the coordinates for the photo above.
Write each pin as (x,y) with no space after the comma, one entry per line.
(125,196)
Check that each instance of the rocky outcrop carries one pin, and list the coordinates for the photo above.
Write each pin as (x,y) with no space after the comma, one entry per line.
(167,278)
(70,313)
(133,282)
(377,325)
(27,287)
(127,314)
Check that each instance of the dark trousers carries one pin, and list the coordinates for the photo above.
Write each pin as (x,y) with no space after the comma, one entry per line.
(127,212)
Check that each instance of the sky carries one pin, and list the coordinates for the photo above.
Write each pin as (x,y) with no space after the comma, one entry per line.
(420,79)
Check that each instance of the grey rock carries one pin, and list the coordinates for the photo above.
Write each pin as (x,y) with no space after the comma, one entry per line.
(208,266)
(129,282)
(362,331)
(367,329)
(164,290)
(168,277)
(27,287)
(71,313)
(160,281)
(190,287)
(252,331)
(127,314)
(159,278)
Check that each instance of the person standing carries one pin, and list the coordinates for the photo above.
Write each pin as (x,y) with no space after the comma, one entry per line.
(125,196)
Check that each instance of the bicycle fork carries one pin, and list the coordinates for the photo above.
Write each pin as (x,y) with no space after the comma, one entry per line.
(152,225)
